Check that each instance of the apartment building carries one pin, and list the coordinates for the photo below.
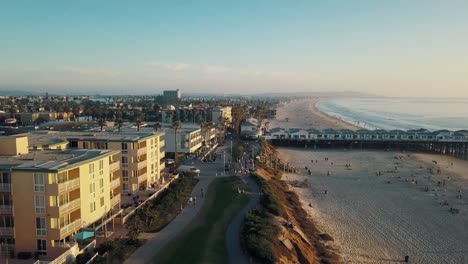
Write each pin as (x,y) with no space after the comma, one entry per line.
(219,113)
(46,197)
(142,155)
(189,140)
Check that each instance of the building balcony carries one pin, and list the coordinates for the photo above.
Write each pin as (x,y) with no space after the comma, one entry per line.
(162,144)
(141,151)
(142,177)
(114,166)
(162,166)
(141,164)
(60,233)
(115,200)
(6,231)
(115,183)
(66,186)
(5,209)
(65,208)
(5,187)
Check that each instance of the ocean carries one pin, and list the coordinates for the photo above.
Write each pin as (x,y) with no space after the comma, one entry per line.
(399,113)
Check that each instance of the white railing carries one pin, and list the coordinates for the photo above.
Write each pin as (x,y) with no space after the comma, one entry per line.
(5,209)
(6,231)
(116,199)
(115,183)
(114,166)
(142,177)
(141,164)
(162,144)
(5,187)
(68,185)
(141,151)
(70,206)
(74,226)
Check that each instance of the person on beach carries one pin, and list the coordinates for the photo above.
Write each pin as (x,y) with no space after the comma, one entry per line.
(194,200)
(202,192)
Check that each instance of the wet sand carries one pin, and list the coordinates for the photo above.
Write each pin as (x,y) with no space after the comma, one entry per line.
(380,219)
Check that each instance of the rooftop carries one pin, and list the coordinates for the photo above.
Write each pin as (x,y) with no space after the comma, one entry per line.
(52,160)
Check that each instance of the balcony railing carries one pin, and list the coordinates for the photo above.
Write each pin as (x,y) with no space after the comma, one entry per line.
(141,164)
(70,206)
(115,183)
(116,199)
(162,165)
(141,151)
(5,209)
(114,166)
(162,144)
(142,177)
(68,185)
(6,231)
(73,226)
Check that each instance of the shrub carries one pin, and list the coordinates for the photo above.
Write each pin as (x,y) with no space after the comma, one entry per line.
(257,234)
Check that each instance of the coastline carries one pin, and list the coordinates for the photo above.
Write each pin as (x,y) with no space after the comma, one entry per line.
(378,219)
(303,113)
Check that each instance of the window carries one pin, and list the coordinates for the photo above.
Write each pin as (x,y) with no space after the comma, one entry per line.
(102,201)
(91,171)
(124,148)
(101,167)
(125,175)
(39,202)
(101,185)
(124,161)
(92,190)
(42,247)
(93,206)
(41,229)
(39,185)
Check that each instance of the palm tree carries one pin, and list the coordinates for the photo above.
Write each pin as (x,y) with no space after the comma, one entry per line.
(138,123)
(176,126)
(119,122)
(102,123)
(156,126)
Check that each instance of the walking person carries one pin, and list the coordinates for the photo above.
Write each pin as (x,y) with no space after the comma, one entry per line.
(194,200)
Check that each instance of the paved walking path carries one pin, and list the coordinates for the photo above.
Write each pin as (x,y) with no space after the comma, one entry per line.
(156,241)
(233,232)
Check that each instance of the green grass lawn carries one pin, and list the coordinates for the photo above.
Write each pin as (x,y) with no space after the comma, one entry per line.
(203,239)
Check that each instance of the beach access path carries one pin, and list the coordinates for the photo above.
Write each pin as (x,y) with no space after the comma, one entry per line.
(233,232)
(156,241)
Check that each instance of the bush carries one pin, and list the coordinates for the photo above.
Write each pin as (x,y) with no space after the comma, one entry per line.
(257,233)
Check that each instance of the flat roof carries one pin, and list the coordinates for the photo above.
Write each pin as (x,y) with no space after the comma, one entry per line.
(52,160)
(48,138)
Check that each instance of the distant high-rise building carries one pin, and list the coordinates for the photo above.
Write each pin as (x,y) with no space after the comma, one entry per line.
(172,96)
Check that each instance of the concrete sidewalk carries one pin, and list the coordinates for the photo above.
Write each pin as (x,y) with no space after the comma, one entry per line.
(156,241)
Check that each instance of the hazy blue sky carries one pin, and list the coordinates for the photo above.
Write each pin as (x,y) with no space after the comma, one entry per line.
(407,47)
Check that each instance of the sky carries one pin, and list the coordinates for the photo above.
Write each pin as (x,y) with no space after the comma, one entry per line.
(392,48)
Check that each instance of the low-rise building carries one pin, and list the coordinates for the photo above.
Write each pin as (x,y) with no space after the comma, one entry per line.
(46,197)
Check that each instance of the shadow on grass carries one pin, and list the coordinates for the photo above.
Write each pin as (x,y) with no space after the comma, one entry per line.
(202,241)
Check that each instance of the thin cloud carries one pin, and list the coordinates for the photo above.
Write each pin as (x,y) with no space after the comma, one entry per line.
(172,66)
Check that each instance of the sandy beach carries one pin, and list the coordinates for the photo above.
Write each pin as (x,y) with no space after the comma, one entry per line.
(384,205)
(302,113)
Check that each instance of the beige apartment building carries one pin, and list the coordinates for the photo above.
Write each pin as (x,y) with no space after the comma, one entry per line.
(142,155)
(46,197)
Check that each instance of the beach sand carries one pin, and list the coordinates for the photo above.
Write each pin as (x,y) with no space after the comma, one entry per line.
(380,219)
(302,113)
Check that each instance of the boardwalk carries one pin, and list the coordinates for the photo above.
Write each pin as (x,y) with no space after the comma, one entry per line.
(156,241)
